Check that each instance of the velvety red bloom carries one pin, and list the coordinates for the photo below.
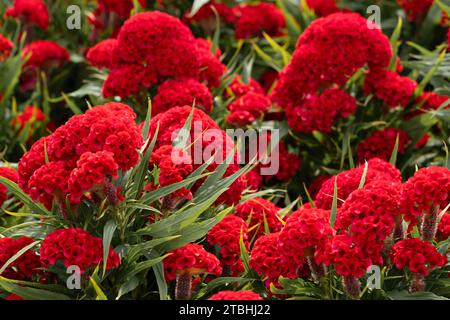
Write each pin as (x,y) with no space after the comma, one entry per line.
(431,101)
(323,7)
(75,246)
(259,18)
(30,162)
(211,69)
(192,259)
(226,235)
(330,51)
(101,54)
(415,9)
(235,295)
(255,211)
(289,163)
(238,87)
(319,112)
(206,13)
(267,260)
(306,230)
(207,140)
(5,47)
(181,92)
(10,174)
(347,258)
(387,85)
(23,267)
(92,172)
(247,109)
(254,179)
(175,165)
(428,188)
(45,54)
(121,7)
(348,181)
(34,12)
(370,214)
(380,144)
(419,256)
(443,231)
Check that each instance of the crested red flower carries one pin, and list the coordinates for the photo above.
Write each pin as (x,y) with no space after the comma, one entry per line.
(24,266)
(429,101)
(192,259)
(101,54)
(323,7)
(45,54)
(388,86)
(380,144)
(6,47)
(319,112)
(257,212)
(306,230)
(236,295)
(248,108)
(427,189)
(10,174)
(211,69)
(419,256)
(181,92)
(33,12)
(206,13)
(227,234)
(443,232)
(348,181)
(120,7)
(330,51)
(415,9)
(255,19)
(254,179)
(75,246)
(239,88)
(29,117)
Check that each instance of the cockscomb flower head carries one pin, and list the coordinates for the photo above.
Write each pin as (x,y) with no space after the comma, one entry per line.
(247,109)
(32,12)
(211,68)
(10,174)
(45,54)
(255,19)
(101,54)
(25,265)
(380,144)
(6,47)
(323,7)
(415,9)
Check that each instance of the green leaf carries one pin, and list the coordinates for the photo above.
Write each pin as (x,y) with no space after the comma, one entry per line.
(421,88)
(394,43)
(405,295)
(108,233)
(158,269)
(128,286)
(28,293)
(334,203)
(363,177)
(100,294)
(181,140)
(144,266)
(393,159)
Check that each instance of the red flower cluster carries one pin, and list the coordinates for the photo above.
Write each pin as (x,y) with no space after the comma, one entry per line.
(235,295)
(181,92)
(174,165)
(227,235)
(45,54)
(258,210)
(306,230)
(101,55)
(29,116)
(33,12)
(443,232)
(419,256)
(387,85)
(267,260)
(415,9)
(23,267)
(330,51)
(120,7)
(348,181)
(5,48)
(192,259)
(75,246)
(380,144)
(370,214)
(323,7)
(347,259)
(10,174)
(109,129)
(255,19)
(205,135)
(211,69)
(206,13)
(319,112)
(239,88)
(247,109)
(428,188)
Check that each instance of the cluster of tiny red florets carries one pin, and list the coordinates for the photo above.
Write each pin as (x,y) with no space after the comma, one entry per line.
(9,174)
(236,295)
(44,53)
(247,109)
(253,20)
(415,9)
(380,144)
(323,7)
(33,12)
(24,266)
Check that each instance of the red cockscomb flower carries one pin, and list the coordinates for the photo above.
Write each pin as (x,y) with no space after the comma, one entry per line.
(10,174)
(33,12)
(206,13)
(30,116)
(5,48)
(380,144)
(45,54)
(181,92)
(256,19)
(191,259)
(235,295)
(257,211)
(443,232)
(120,7)
(419,256)
(75,246)
(238,87)
(247,109)
(393,89)
(348,181)
(227,235)
(415,9)
(323,7)
(101,55)
(23,267)
(211,69)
